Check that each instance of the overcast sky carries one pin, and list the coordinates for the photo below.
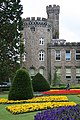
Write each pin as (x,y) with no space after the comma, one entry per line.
(69,15)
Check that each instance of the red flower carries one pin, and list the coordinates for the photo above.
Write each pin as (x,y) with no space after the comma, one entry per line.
(71,91)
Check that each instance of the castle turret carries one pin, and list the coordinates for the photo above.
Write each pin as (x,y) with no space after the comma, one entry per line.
(53,18)
(37,33)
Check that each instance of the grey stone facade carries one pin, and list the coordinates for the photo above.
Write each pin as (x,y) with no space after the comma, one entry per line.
(73,64)
(41,40)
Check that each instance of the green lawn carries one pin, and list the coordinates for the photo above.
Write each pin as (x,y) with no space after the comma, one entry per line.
(5,115)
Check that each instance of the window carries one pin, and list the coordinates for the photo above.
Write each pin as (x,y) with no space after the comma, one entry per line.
(41,41)
(24,57)
(78,73)
(68,73)
(77,54)
(32,72)
(41,71)
(68,55)
(41,55)
(32,28)
(58,55)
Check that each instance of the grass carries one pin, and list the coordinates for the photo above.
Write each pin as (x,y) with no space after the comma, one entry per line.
(5,115)
(74,98)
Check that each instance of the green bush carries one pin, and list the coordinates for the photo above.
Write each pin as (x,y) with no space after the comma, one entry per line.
(21,88)
(39,83)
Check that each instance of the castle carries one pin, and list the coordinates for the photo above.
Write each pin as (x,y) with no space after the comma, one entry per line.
(46,53)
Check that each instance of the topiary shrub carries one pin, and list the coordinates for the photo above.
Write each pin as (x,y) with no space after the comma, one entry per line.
(39,83)
(21,88)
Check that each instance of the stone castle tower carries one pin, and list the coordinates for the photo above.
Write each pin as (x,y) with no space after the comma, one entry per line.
(37,34)
(40,38)
(53,19)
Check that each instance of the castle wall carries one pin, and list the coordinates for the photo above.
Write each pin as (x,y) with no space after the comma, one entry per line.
(38,28)
(63,64)
(32,34)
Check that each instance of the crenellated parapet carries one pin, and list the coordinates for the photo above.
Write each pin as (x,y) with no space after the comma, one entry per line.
(36,22)
(62,42)
(53,9)
(34,19)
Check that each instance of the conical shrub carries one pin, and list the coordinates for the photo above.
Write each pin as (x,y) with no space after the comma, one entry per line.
(21,88)
(39,83)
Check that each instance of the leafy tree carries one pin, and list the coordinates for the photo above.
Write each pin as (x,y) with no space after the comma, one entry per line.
(40,83)
(10,36)
(21,88)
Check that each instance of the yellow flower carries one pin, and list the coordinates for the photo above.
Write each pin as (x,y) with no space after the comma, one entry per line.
(36,99)
(17,109)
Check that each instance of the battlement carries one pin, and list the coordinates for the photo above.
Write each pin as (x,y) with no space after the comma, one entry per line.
(62,42)
(33,21)
(53,9)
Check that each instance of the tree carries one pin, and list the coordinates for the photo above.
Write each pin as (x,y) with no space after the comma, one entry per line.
(10,36)
(21,88)
(40,83)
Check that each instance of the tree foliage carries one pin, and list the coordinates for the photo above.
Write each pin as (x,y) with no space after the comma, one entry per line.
(40,83)
(21,88)
(10,36)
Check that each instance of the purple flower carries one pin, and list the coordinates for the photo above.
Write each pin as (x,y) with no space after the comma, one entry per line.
(61,113)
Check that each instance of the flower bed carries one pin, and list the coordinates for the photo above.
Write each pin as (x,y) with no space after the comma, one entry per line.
(24,108)
(62,113)
(35,99)
(71,91)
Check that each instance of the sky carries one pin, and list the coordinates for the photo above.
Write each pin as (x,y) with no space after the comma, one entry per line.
(69,18)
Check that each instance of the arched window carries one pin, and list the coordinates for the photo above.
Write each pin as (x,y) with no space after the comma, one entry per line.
(24,57)
(41,41)
(32,71)
(41,55)
(41,71)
